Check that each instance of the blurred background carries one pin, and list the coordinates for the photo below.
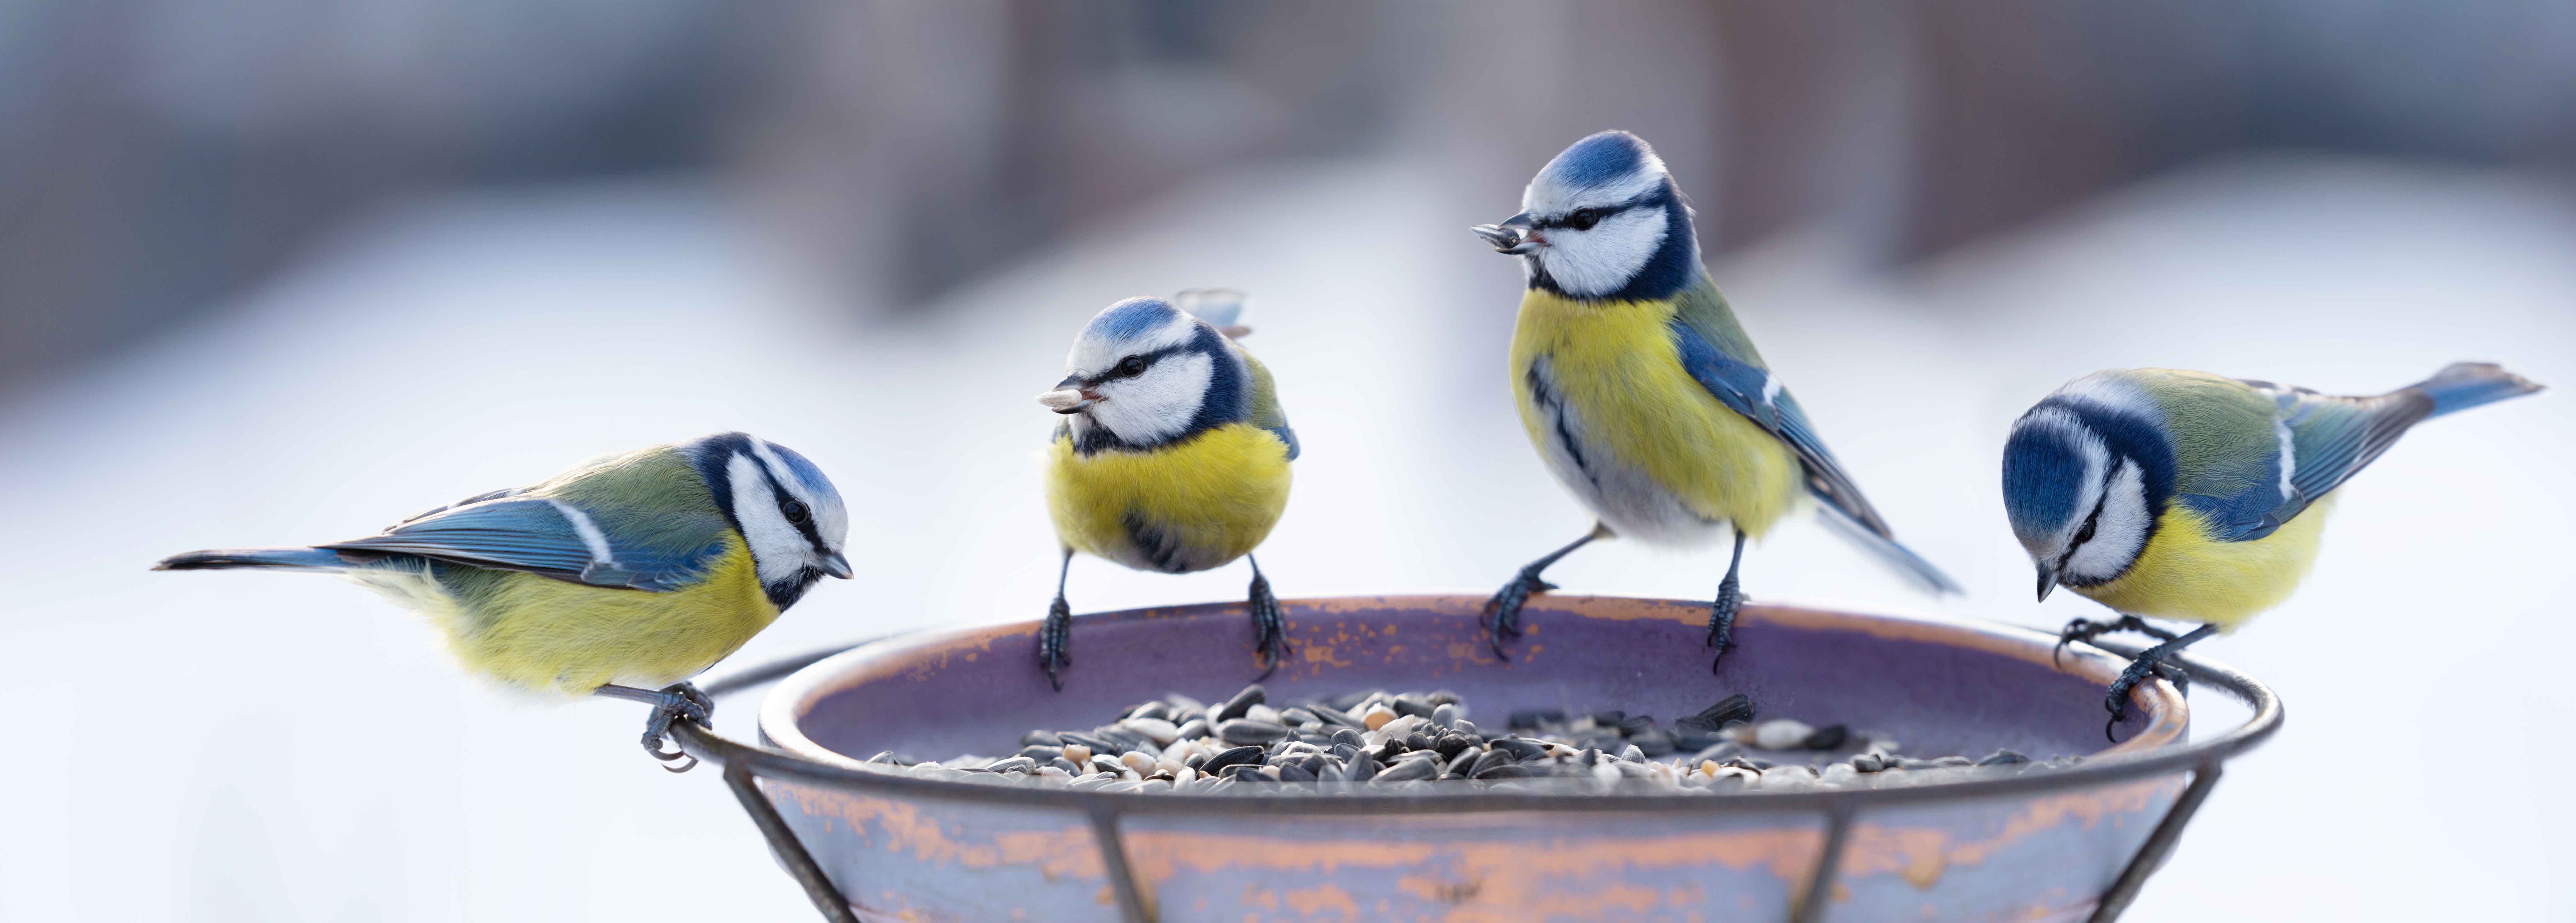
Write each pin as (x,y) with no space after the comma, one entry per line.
(282,271)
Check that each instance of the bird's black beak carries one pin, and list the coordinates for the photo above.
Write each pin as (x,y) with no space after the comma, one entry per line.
(2047,582)
(838,565)
(1513,236)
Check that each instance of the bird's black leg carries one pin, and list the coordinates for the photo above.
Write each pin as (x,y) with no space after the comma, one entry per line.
(1721,614)
(1269,625)
(2087,630)
(1503,609)
(1057,632)
(677,702)
(2150,662)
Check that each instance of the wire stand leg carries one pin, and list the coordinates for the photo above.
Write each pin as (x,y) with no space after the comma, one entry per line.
(790,851)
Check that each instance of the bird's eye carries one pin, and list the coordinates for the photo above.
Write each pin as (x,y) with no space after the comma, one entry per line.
(1131,366)
(795,511)
(1583,219)
(2086,534)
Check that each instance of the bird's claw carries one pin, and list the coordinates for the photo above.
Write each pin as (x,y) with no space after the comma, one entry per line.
(1721,620)
(2117,699)
(1503,609)
(2087,630)
(2075,631)
(1269,628)
(678,702)
(1054,642)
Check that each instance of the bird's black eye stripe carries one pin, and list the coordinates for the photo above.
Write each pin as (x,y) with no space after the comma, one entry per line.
(1582,219)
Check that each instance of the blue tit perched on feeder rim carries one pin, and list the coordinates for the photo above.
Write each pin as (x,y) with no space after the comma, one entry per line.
(1641,391)
(2196,497)
(1172,454)
(621,577)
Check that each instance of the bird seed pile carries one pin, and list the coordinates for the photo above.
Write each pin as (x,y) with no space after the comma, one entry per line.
(1422,742)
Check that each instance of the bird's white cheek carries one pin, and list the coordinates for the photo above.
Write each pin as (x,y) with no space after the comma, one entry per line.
(777,548)
(2121,532)
(1156,405)
(1599,261)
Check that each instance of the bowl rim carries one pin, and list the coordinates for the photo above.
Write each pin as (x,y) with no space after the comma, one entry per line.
(2156,751)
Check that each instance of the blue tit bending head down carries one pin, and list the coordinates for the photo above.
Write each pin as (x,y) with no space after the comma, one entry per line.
(1172,453)
(1641,391)
(636,569)
(2185,495)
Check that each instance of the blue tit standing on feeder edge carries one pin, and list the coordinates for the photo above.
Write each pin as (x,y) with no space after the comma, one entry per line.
(622,577)
(1172,454)
(2196,497)
(1641,391)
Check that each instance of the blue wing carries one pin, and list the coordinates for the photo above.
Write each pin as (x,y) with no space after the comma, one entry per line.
(550,538)
(1286,435)
(2328,439)
(1749,389)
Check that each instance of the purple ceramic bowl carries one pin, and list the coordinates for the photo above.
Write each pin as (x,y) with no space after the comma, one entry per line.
(2028,847)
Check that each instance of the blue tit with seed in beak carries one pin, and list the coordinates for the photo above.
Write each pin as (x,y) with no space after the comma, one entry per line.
(2196,497)
(1642,393)
(1171,455)
(622,577)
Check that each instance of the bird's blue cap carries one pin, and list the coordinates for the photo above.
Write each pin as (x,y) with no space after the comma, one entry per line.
(1599,160)
(1130,319)
(2043,474)
(805,472)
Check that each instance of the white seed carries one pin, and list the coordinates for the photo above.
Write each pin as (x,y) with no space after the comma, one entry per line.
(1154,729)
(1781,733)
(1786,777)
(1377,716)
(1264,713)
(1078,753)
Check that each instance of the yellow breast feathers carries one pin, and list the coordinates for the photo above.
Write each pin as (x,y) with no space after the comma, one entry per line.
(549,635)
(1632,409)
(2185,575)
(1184,507)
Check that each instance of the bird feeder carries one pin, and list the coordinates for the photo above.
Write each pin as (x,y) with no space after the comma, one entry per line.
(873,842)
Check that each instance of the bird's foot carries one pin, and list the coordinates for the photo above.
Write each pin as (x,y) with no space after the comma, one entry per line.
(1721,620)
(2116,701)
(1269,627)
(677,702)
(2087,630)
(1503,609)
(1054,639)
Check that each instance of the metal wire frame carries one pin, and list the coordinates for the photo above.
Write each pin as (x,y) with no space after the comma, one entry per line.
(743,763)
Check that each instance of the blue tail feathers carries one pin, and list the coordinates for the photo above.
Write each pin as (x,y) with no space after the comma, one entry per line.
(1897,557)
(225,558)
(2463,385)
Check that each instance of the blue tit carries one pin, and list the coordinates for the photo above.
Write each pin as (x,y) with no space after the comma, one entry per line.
(1172,454)
(1643,394)
(621,577)
(2196,497)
